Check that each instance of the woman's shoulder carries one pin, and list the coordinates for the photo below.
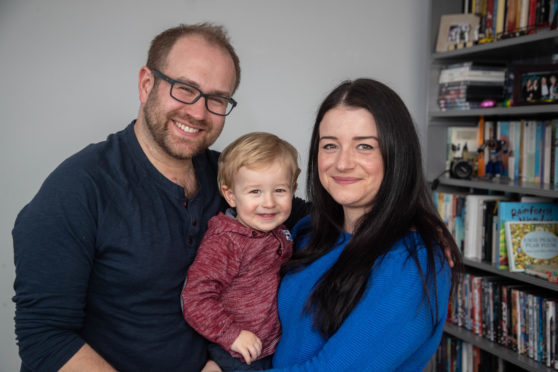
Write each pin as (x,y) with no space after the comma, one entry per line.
(301,226)
(412,245)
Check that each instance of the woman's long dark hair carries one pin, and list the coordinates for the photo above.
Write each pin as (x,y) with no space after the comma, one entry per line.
(403,203)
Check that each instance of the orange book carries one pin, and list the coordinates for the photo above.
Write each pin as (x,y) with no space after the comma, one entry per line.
(511,15)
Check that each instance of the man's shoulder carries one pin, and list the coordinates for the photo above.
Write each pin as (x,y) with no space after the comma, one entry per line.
(91,163)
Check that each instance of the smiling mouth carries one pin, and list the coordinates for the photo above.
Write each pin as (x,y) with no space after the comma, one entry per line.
(345,180)
(185,128)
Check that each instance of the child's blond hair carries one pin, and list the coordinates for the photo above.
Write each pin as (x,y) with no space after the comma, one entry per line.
(254,150)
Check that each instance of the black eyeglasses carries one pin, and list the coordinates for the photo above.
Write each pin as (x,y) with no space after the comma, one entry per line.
(189,94)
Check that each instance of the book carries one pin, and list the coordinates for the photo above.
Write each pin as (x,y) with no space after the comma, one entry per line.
(546,159)
(460,140)
(519,211)
(500,17)
(503,134)
(554,153)
(510,25)
(528,151)
(514,149)
(531,242)
(543,271)
(474,224)
(550,318)
(472,72)
(490,210)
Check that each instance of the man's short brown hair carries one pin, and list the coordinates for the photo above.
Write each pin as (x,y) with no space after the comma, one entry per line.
(213,34)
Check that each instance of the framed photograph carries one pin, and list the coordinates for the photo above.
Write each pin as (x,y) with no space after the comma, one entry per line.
(535,84)
(456,31)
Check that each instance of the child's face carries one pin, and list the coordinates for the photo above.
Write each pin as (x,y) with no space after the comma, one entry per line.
(262,196)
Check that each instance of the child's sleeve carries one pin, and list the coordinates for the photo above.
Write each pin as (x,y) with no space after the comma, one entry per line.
(212,270)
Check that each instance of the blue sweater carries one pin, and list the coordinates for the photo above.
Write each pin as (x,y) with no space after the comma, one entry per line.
(391,328)
(101,254)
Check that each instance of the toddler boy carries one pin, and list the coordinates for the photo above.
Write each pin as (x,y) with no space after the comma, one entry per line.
(230,295)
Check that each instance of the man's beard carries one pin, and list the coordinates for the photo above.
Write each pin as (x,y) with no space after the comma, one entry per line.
(157,124)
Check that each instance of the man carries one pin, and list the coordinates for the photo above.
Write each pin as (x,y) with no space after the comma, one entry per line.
(102,250)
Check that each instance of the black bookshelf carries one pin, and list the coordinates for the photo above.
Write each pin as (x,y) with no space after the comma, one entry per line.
(514,48)
(547,110)
(538,48)
(502,185)
(517,276)
(506,354)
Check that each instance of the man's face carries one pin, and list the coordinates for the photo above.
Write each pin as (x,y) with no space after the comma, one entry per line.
(184,130)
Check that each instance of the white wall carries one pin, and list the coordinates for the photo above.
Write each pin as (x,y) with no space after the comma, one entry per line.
(69,77)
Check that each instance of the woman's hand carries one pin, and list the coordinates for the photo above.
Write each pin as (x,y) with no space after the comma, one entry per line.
(248,345)
(211,366)
(447,253)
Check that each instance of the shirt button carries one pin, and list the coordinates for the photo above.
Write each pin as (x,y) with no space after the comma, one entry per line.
(190,240)
(194,222)
(186,204)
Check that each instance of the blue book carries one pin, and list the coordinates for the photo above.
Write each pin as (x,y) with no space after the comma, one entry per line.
(504,135)
(518,211)
(514,150)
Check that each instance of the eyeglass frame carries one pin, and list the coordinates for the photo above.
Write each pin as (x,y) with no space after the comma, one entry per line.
(172,81)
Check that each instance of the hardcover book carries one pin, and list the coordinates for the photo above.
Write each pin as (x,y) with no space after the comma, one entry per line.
(531,242)
(518,211)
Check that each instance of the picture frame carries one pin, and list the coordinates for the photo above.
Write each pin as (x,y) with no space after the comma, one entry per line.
(456,31)
(535,84)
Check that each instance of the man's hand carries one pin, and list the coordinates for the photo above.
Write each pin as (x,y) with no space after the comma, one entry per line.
(248,345)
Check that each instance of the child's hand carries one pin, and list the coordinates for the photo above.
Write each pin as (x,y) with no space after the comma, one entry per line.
(248,345)
(211,366)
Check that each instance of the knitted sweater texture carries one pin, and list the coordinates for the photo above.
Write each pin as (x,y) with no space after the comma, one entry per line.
(232,284)
(392,327)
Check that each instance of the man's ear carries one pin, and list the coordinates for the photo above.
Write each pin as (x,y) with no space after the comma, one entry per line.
(228,195)
(146,81)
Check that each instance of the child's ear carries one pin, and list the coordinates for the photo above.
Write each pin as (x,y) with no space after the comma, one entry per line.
(228,195)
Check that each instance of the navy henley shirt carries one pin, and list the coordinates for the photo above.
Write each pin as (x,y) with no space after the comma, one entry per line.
(101,254)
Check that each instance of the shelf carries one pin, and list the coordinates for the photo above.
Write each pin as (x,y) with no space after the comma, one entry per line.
(517,187)
(518,111)
(496,349)
(517,48)
(525,278)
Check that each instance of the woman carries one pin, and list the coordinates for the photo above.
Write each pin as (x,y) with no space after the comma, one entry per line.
(368,286)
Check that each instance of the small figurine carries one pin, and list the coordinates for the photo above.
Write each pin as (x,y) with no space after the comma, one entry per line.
(495,166)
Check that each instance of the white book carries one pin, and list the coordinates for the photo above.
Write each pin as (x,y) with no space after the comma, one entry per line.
(473,224)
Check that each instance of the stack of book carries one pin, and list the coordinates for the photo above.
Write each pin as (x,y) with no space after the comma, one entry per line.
(469,85)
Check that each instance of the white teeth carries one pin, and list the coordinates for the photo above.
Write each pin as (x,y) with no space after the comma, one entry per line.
(186,128)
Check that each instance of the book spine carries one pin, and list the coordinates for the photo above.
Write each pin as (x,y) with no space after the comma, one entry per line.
(477,305)
(532,19)
(500,14)
(555,146)
(547,149)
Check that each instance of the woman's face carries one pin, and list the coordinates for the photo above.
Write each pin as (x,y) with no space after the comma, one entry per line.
(350,164)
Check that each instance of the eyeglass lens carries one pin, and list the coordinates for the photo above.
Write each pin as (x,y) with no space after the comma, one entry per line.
(187,94)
